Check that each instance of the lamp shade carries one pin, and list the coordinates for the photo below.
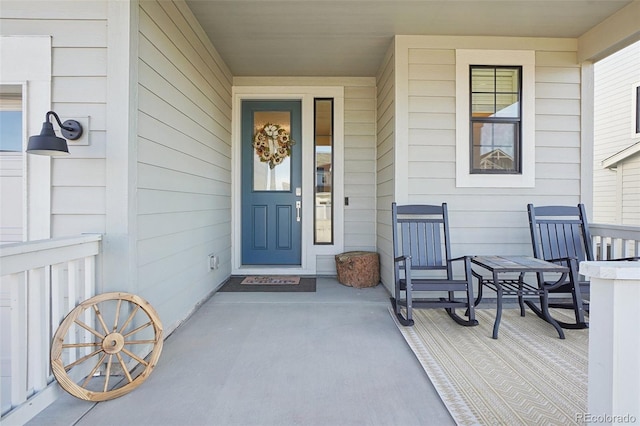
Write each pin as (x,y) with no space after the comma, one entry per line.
(47,143)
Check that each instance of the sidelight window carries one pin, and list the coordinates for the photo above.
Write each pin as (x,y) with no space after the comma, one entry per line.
(323,151)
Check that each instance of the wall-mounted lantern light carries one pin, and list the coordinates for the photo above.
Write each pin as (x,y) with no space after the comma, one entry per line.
(47,143)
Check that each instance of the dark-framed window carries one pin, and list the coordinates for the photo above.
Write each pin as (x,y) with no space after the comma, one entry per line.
(637,109)
(495,119)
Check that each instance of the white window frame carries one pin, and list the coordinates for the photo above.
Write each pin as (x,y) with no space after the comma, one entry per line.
(464,59)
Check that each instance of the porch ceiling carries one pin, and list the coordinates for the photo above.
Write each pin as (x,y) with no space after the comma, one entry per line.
(350,37)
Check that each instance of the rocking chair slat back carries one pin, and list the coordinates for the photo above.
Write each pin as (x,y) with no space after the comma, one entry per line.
(421,243)
(560,232)
(424,237)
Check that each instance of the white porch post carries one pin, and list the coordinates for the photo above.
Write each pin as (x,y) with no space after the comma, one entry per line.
(614,342)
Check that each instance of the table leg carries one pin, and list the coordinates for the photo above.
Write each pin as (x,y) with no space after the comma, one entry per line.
(520,298)
(496,324)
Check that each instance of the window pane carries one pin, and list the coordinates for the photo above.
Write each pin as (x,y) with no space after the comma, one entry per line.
(507,105)
(272,159)
(507,80)
(495,118)
(482,104)
(11,118)
(495,147)
(323,143)
(483,79)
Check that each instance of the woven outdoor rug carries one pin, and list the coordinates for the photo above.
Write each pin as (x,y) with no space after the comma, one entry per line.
(271,280)
(306,285)
(527,376)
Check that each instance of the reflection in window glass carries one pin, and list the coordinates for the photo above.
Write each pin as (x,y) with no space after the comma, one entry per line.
(271,161)
(323,149)
(495,119)
(11,168)
(11,118)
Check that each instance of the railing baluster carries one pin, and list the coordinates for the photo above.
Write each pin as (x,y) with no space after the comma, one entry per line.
(43,281)
(615,241)
(57,300)
(37,290)
(18,291)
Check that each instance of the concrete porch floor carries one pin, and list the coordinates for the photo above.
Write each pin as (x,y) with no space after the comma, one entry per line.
(333,357)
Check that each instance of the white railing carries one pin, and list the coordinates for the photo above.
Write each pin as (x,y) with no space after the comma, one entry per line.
(40,282)
(615,241)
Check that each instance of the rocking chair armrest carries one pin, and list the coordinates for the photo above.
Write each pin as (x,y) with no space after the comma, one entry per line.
(564,277)
(402,258)
(465,258)
(562,259)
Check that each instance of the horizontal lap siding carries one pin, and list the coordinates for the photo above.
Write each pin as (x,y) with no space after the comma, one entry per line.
(385,163)
(359,165)
(78,33)
(631,188)
(491,220)
(613,118)
(184,161)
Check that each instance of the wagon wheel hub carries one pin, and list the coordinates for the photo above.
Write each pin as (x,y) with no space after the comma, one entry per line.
(113,343)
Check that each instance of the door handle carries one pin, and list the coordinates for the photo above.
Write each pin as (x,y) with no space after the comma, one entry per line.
(298,207)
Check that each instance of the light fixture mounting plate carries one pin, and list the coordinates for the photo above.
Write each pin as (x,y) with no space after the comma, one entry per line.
(71,130)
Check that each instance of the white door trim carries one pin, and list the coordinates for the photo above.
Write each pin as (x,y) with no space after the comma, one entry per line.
(309,251)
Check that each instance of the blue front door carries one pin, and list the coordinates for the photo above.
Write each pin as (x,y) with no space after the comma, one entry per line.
(271,182)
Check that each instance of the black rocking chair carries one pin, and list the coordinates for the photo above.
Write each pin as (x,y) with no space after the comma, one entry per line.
(421,243)
(560,234)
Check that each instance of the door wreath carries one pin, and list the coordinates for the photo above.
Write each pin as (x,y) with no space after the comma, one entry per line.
(272,144)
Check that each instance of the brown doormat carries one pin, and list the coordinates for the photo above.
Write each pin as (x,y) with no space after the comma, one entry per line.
(307,285)
(271,280)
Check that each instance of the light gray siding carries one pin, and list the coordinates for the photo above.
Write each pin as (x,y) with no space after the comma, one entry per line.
(631,188)
(78,33)
(183,161)
(483,220)
(613,79)
(360,167)
(359,170)
(385,162)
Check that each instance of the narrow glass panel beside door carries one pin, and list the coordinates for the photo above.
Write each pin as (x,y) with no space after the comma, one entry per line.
(323,230)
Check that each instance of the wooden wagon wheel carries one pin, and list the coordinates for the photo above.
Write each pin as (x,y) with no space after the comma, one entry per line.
(106,346)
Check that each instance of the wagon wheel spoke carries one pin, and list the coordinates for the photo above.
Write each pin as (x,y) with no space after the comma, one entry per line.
(107,374)
(95,368)
(142,327)
(89,329)
(134,356)
(80,345)
(124,368)
(131,315)
(117,316)
(139,342)
(99,316)
(81,360)
(103,354)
